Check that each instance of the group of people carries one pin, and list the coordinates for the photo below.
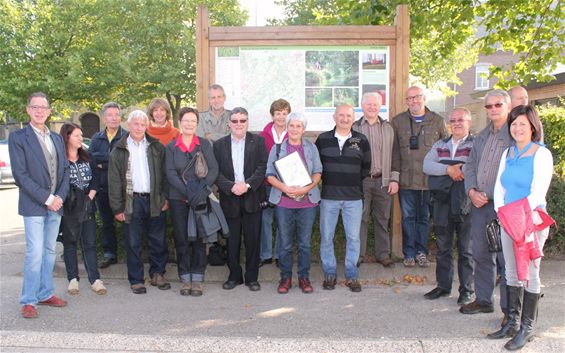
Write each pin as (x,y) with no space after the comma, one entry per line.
(135,176)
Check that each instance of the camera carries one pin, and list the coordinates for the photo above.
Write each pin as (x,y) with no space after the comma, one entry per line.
(414,142)
(265,204)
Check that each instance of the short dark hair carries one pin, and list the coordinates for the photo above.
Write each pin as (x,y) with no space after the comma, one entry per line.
(110,105)
(36,95)
(533,117)
(186,110)
(239,110)
(279,105)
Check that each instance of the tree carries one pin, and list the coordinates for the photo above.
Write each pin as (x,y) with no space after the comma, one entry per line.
(447,35)
(86,52)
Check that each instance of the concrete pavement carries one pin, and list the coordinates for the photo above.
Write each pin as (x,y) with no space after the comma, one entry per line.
(389,315)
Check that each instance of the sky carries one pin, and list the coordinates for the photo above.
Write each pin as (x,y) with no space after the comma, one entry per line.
(260,10)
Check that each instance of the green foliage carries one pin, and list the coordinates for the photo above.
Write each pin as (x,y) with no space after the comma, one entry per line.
(86,52)
(555,245)
(442,33)
(553,120)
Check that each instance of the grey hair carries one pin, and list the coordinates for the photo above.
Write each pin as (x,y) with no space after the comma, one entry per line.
(216,86)
(38,95)
(295,116)
(465,111)
(372,94)
(137,114)
(109,105)
(498,93)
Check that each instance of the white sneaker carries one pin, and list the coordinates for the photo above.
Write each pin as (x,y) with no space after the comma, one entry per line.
(72,289)
(98,287)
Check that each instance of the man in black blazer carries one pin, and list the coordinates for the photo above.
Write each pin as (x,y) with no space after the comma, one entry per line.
(242,159)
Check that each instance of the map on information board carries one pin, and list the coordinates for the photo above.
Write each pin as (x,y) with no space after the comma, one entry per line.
(314,80)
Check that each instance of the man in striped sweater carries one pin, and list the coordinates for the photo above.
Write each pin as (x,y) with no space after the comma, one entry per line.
(346,160)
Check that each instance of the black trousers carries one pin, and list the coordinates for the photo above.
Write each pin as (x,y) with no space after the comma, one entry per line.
(250,224)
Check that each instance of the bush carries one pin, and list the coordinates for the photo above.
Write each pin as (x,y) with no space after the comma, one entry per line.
(555,245)
(553,119)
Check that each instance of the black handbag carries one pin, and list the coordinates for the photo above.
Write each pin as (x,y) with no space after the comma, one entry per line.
(218,255)
(493,236)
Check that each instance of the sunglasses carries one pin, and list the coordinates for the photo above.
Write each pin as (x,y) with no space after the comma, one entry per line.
(495,105)
(241,121)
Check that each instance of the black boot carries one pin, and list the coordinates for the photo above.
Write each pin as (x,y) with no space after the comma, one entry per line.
(529,315)
(511,327)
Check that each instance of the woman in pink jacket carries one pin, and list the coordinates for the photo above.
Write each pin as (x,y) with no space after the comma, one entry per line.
(525,172)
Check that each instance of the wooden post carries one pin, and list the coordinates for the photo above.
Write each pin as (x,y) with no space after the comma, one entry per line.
(202,58)
(401,58)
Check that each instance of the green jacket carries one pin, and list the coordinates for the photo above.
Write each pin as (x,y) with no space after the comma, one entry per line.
(120,199)
(410,162)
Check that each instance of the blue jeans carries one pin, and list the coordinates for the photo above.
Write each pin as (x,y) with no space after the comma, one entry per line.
(351,212)
(142,221)
(41,238)
(415,206)
(289,219)
(267,218)
(87,240)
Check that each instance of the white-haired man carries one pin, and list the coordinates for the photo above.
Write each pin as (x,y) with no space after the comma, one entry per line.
(137,192)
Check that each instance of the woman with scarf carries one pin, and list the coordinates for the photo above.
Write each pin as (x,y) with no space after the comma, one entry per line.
(160,121)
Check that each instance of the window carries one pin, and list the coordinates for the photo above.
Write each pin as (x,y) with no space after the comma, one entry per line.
(481,76)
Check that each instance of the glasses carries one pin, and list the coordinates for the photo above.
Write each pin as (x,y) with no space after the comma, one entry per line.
(495,105)
(241,121)
(414,98)
(457,121)
(39,107)
(194,122)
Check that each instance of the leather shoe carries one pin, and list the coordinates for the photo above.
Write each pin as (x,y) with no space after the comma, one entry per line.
(386,262)
(465,298)
(253,286)
(107,262)
(29,311)
(229,284)
(265,262)
(284,285)
(329,283)
(138,288)
(476,308)
(159,281)
(436,293)
(53,301)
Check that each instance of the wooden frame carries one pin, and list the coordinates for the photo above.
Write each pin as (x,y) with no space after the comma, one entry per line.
(396,37)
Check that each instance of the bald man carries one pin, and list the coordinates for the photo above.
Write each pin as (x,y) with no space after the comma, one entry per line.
(518,96)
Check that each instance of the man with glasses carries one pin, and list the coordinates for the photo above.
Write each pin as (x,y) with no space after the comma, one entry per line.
(443,164)
(480,176)
(242,159)
(103,142)
(415,131)
(214,122)
(41,172)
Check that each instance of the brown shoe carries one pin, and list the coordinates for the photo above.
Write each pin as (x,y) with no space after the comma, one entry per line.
(158,280)
(284,285)
(305,285)
(197,289)
(386,262)
(185,288)
(329,283)
(138,288)
(353,285)
(476,308)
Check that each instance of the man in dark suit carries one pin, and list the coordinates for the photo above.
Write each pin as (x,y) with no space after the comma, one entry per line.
(41,172)
(242,159)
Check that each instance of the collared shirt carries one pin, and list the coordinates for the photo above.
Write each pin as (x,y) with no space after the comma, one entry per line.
(140,176)
(374,135)
(276,138)
(45,137)
(111,136)
(341,139)
(488,164)
(454,145)
(183,147)
(237,156)
(213,127)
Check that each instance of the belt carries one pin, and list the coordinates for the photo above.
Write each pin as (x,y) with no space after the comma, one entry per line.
(375,176)
(142,194)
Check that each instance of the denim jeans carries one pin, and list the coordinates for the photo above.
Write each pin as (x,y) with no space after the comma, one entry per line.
(415,206)
(108,232)
(41,238)
(142,221)
(289,219)
(351,212)
(87,240)
(267,232)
